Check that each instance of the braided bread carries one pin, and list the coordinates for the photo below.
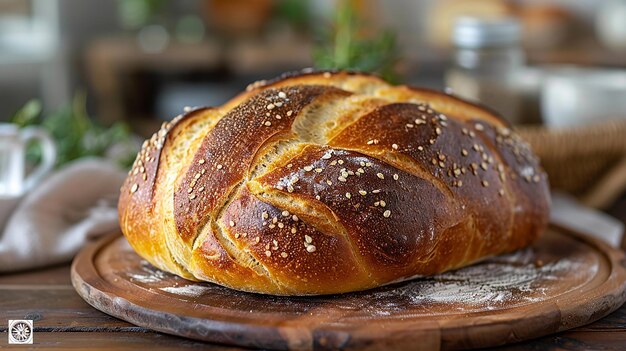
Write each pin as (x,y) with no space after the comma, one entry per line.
(319,183)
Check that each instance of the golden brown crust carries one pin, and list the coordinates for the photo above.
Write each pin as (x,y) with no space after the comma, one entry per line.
(331,182)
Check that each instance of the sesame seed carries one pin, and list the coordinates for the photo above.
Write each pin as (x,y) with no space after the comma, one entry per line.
(257,239)
(282,94)
(290,188)
(294,218)
(219,166)
(192,196)
(395,177)
(394,146)
(348,195)
(479,127)
(285,213)
(308,239)
(464,152)
(232,224)
(134,188)
(438,131)
(329,182)
(319,170)
(485,183)
(281,225)
(268,123)
(383,203)
(278,104)
(409,125)
(342,179)
(363,192)
(326,156)
(293,230)
(270,106)
(268,253)
(283,254)
(310,248)
(380,175)
(279,117)
(236,235)
(386,214)
(289,113)
(376,191)
(501,192)
(308,168)
(420,148)
(317,197)
(264,215)
(420,121)
(201,161)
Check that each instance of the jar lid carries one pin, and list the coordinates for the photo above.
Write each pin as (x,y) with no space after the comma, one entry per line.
(475,32)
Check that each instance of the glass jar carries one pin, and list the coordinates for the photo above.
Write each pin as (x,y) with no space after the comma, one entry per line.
(487,62)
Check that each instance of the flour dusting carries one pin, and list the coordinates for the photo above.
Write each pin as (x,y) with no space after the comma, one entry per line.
(186,290)
(504,281)
(524,277)
(148,274)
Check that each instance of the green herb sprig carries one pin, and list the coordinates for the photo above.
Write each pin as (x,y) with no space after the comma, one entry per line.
(75,134)
(347,46)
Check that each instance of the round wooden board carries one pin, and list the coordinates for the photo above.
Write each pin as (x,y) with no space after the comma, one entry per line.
(565,280)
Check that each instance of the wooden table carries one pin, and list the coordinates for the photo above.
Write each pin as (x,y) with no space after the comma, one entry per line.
(63,320)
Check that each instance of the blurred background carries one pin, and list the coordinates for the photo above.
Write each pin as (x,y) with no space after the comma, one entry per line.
(141,61)
(118,69)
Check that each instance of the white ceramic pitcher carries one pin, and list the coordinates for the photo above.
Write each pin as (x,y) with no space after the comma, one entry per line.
(14,181)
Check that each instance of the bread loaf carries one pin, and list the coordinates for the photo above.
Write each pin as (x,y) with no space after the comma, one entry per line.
(319,183)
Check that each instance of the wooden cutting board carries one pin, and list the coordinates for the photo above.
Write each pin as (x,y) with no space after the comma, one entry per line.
(566,280)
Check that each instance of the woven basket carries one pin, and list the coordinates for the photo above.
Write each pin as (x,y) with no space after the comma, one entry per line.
(588,162)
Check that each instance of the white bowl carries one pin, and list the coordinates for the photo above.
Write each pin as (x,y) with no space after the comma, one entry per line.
(575,95)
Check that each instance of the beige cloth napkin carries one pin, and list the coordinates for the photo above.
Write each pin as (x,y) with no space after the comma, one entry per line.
(53,221)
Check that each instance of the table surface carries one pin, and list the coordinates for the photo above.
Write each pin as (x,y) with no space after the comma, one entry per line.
(62,320)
